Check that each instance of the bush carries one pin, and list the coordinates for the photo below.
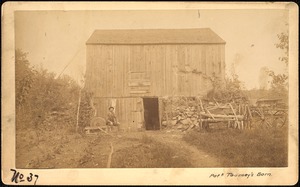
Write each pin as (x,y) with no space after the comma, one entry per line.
(86,112)
(228,91)
(39,94)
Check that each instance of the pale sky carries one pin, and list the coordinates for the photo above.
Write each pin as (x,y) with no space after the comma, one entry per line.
(56,38)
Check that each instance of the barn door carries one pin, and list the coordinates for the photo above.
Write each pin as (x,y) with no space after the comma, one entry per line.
(151,113)
(135,118)
(137,114)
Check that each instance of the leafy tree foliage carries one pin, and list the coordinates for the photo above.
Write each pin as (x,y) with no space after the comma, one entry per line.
(279,83)
(284,45)
(40,94)
(228,91)
(24,75)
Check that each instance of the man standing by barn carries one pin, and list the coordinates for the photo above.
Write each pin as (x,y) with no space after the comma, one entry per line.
(112,119)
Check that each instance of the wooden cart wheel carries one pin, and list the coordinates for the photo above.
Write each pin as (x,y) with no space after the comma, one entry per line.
(279,121)
(263,122)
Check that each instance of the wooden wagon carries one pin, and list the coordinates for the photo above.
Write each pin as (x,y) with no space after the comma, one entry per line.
(237,116)
(270,113)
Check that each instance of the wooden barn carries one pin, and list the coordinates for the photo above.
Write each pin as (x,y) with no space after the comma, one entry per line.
(132,69)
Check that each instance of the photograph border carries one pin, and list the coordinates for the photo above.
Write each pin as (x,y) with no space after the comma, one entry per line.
(173,176)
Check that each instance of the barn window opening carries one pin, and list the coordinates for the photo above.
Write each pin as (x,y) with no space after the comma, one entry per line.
(151,113)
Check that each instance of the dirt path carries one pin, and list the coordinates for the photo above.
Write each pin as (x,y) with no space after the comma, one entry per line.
(197,157)
(73,151)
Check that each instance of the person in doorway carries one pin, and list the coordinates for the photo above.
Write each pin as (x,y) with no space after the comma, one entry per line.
(112,119)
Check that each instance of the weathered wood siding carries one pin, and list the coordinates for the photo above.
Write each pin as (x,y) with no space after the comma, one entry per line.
(152,70)
(129,111)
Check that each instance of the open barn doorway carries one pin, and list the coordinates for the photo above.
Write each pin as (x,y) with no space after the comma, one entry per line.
(151,113)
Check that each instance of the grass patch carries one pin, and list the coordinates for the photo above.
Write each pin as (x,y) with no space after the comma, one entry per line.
(149,154)
(244,148)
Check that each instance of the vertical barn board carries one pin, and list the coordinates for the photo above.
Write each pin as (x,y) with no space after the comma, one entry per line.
(160,62)
(140,112)
(198,57)
(213,64)
(218,70)
(203,59)
(163,69)
(118,60)
(129,116)
(156,77)
(220,60)
(109,73)
(175,71)
(181,82)
(216,60)
(190,60)
(166,81)
(181,57)
(154,68)
(188,66)
(137,63)
(210,60)
(127,68)
(88,68)
(121,113)
(208,63)
(103,73)
(148,63)
(168,69)
(223,60)
(172,68)
(197,77)
(102,105)
(98,70)
(124,115)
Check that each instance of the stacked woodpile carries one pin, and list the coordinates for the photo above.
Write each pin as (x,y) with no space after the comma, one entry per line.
(185,113)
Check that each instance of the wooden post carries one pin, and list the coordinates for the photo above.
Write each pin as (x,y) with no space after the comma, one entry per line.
(201,105)
(200,120)
(237,121)
(78,108)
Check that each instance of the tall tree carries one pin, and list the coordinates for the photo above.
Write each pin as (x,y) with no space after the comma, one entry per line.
(279,83)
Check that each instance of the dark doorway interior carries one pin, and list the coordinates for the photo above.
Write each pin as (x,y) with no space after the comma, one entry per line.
(151,114)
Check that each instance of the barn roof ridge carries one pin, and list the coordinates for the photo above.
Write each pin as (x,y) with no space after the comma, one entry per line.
(155,36)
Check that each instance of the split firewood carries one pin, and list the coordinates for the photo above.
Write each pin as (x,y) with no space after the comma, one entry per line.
(201,105)
(233,111)
(222,116)
(249,112)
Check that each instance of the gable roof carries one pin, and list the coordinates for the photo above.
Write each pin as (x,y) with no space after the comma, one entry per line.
(155,36)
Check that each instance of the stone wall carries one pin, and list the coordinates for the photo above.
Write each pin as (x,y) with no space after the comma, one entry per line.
(180,113)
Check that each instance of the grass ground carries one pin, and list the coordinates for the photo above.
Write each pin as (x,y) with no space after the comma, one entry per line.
(243,148)
(63,148)
(150,154)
